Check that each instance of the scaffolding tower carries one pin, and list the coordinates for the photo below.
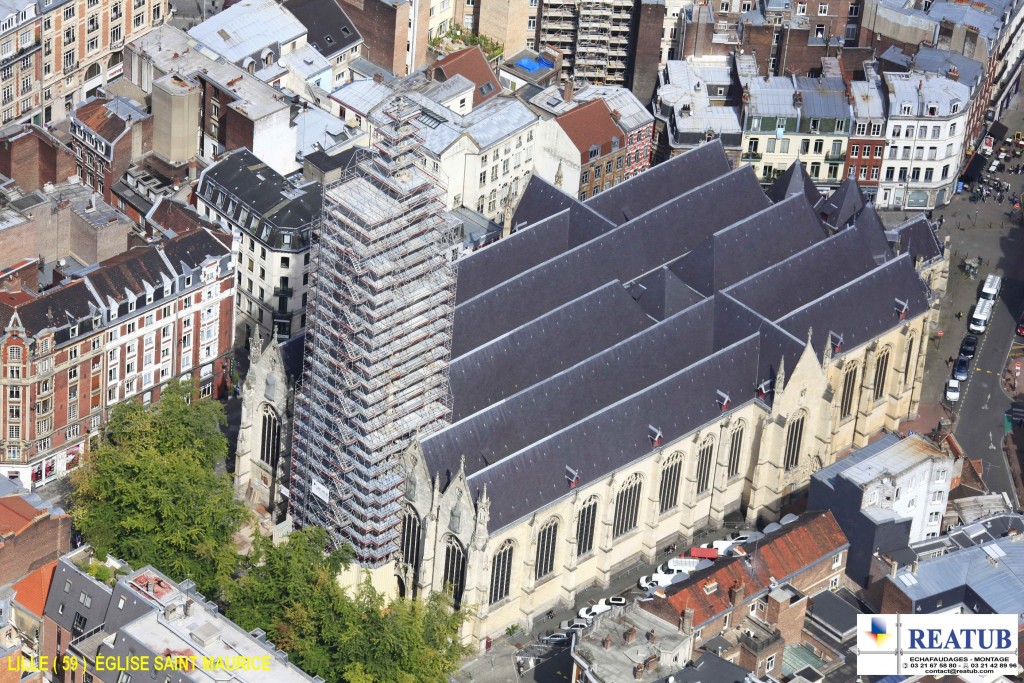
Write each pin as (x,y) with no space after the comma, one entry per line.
(378,342)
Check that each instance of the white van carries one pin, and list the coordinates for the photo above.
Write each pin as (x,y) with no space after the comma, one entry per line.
(990,290)
(980,316)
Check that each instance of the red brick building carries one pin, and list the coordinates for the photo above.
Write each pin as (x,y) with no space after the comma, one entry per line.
(609,152)
(108,135)
(763,589)
(32,157)
(120,332)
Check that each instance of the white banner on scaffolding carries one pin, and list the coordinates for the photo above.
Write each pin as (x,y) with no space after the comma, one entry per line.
(320,491)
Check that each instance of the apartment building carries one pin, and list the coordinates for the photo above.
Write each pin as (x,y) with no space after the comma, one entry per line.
(789,119)
(925,133)
(201,98)
(146,613)
(20,47)
(331,33)
(867,133)
(117,332)
(885,496)
(271,220)
(108,135)
(32,156)
(397,33)
(596,135)
(693,106)
(82,43)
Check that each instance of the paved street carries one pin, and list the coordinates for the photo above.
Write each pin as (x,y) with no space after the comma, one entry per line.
(979,229)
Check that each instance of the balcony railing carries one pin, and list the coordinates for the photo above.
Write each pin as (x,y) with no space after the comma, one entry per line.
(835,157)
(23,52)
(751,156)
(756,644)
(283,291)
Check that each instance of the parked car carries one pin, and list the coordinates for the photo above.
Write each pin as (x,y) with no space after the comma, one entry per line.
(591,611)
(961,368)
(969,346)
(953,390)
(574,625)
(655,580)
(617,601)
(557,638)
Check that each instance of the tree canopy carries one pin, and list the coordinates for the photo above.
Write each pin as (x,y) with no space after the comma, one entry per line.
(291,592)
(150,495)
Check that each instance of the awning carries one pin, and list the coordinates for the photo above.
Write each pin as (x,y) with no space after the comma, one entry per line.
(974,168)
(998,131)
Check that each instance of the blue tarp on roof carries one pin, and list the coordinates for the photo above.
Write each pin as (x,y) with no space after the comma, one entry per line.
(528,64)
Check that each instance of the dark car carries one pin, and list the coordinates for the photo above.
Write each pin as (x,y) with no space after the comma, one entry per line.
(960,369)
(1020,326)
(969,346)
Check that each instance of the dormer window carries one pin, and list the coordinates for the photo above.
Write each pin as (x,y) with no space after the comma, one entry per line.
(954,107)
(594,151)
(933,109)
(906,108)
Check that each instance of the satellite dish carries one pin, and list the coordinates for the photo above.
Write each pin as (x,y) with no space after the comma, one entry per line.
(63,262)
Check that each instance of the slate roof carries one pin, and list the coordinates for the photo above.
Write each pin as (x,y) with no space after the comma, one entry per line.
(284,209)
(246,28)
(795,180)
(664,182)
(116,279)
(291,355)
(328,28)
(797,547)
(575,335)
(554,342)
(525,249)
(627,252)
(471,62)
(917,237)
(540,200)
(843,205)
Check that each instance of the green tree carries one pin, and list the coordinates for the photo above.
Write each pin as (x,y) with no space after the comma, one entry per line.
(150,495)
(291,592)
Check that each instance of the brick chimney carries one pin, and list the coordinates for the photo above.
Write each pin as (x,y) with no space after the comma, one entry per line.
(652,637)
(606,642)
(736,593)
(567,96)
(688,614)
(378,77)
(630,635)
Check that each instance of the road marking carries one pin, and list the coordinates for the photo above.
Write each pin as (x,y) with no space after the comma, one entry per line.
(991,442)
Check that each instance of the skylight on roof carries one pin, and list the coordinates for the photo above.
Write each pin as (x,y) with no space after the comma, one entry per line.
(430,120)
(345,31)
(486,88)
(553,102)
(328,39)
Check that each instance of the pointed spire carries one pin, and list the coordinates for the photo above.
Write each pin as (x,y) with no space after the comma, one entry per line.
(810,335)
(780,376)
(826,356)
(462,466)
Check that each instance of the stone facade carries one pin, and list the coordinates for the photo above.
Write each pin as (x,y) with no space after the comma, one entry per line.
(451,525)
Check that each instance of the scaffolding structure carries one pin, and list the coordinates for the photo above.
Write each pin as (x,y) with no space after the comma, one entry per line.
(378,343)
(593,36)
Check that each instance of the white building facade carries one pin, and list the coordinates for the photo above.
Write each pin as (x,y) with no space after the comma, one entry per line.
(925,133)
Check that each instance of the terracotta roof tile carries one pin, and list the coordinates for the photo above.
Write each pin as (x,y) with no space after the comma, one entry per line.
(33,589)
(177,217)
(471,63)
(591,124)
(16,515)
(797,546)
(100,120)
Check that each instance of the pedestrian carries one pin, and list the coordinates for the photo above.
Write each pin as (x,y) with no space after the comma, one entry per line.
(959,315)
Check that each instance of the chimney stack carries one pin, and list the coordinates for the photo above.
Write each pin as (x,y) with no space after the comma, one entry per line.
(913,568)
(894,567)
(736,593)
(688,614)
(378,77)
(606,642)
(568,91)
